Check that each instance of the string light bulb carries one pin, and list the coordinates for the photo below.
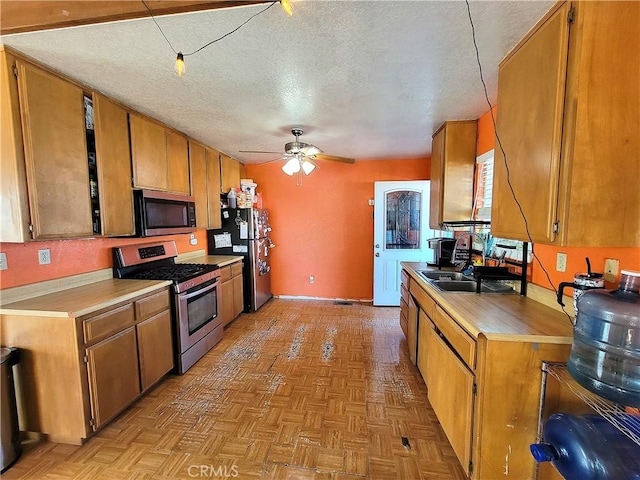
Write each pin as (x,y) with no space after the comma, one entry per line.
(287,7)
(179,66)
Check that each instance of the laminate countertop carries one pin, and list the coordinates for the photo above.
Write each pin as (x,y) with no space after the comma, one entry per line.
(220,260)
(498,316)
(84,299)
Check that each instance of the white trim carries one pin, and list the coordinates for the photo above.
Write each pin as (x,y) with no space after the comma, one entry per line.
(304,297)
(485,156)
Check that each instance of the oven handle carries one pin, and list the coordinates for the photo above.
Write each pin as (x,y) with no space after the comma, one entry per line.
(201,291)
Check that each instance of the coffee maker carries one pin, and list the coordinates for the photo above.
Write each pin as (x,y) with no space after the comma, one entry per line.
(443,248)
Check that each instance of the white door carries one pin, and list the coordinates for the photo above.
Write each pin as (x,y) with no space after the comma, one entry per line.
(401,231)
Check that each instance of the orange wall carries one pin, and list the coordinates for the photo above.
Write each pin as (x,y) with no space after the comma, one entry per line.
(325,227)
(71,257)
(629,257)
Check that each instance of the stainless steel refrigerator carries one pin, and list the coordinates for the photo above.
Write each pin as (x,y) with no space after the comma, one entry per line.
(245,232)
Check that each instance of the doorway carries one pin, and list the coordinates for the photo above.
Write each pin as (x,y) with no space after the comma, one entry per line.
(401,231)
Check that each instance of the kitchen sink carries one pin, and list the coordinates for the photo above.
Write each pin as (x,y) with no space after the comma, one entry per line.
(445,275)
(468,284)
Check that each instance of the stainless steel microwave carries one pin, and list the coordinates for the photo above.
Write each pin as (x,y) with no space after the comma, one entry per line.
(161,213)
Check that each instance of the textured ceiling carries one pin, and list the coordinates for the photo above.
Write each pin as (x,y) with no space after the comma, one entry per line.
(364,79)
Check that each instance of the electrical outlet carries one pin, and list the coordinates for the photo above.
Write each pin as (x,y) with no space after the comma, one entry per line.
(312,279)
(44,256)
(561,262)
(611,269)
(193,240)
(372,202)
(3,261)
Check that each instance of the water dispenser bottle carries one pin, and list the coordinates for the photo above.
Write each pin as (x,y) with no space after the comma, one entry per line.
(589,447)
(605,354)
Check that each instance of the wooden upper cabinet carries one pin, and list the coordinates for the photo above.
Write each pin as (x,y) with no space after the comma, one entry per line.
(177,163)
(148,153)
(453,156)
(213,188)
(57,170)
(569,127)
(230,173)
(205,185)
(113,159)
(198,168)
(160,157)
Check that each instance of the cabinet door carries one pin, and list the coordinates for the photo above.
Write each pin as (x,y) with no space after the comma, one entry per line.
(436,187)
(155,346)
(148,153)
(114,167)
(177,163)
(450,391)
(114,379)
(213,188)
(412,330)
(227,301)
(55,147)
(531,88)
(422,360)
(230,170)
(238,295)
(452,172)
(198,168)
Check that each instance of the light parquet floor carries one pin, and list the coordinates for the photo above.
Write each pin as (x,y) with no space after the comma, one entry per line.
(299,390)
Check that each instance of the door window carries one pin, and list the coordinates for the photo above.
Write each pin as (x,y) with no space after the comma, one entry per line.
(403,220)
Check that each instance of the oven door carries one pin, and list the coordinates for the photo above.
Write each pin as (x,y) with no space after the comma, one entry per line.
(197,313)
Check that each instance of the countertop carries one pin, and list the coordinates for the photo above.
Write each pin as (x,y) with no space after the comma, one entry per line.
(498,316)
(220,260)
(82,300)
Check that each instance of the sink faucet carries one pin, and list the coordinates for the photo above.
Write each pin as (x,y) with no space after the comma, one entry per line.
(479,237)
(454,252)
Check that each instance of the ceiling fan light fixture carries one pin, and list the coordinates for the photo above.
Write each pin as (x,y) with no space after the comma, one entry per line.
(179,66)
(307,167)
(292,166)
(287,7)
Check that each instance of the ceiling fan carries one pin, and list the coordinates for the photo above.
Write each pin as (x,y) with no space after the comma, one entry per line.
(301,156)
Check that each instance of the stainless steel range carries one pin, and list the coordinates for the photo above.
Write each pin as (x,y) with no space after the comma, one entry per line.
(196,295)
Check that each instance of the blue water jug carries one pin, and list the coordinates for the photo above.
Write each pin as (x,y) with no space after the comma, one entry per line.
(589,447)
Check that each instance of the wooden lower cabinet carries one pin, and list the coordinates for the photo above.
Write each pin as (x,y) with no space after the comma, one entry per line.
(114,377)
(484,389)
(450,384)
(232,292)
(78,373)
(155,348)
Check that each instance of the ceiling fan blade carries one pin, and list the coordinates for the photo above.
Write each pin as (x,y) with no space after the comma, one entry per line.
(279,159)
(310,150)
(333,158)
(258,151)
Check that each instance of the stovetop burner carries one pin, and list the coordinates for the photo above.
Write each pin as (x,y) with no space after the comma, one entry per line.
(157,262)
(176,272)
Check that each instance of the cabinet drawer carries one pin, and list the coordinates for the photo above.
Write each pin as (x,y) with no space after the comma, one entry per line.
(404,292)
(108,323)
(460,340)
(404,278)
(225,273)
(236,269)
(404,309)
(151,305)
(423,299)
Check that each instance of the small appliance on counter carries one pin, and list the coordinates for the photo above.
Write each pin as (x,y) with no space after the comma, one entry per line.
(245,232)
(443,248)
